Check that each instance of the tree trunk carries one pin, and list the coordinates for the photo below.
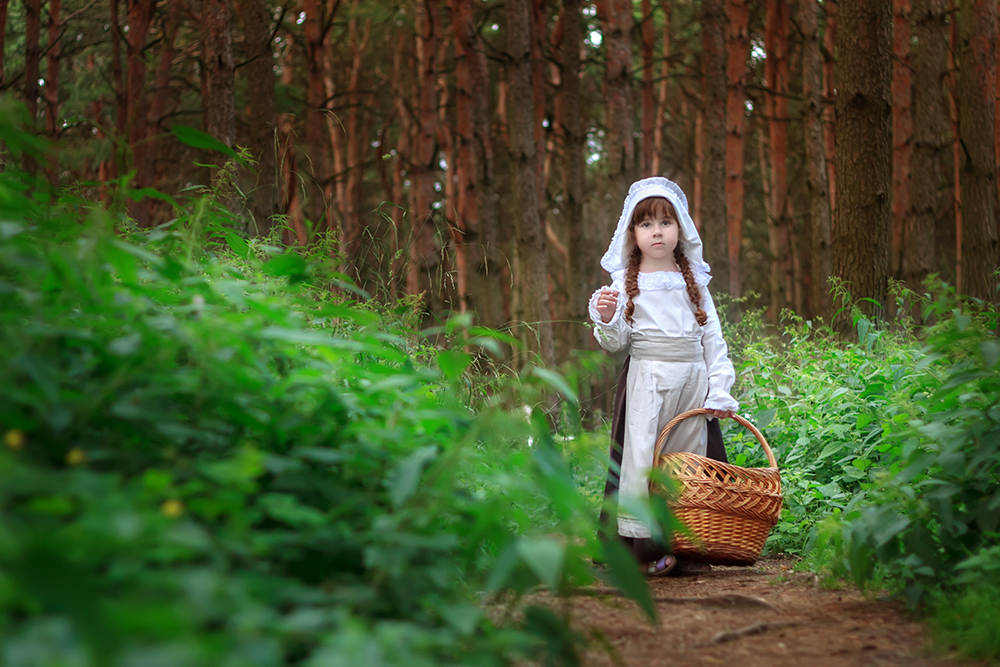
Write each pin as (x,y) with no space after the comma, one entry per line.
(713,206)
(3,33)
(52,86)
(864,153)
(533,317)
(402,75)
(424,253)
(648,108)
(977,29)
(737,52)
(820,229)
(930,137)
(140,17)
(477,214)
(829,116)
(315,34)
(356,145)
(616,22)
(32,55)
(902,130)
(220,104)
(776,110)
(118,78)
(661,115)
(264,196)
(579,246)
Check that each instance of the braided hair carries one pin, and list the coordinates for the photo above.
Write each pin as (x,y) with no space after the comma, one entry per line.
(652,207)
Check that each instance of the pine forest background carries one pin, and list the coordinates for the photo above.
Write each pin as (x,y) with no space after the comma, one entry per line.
(476,153)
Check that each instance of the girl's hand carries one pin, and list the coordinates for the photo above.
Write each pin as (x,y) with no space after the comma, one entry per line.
(607,304)
(723,414)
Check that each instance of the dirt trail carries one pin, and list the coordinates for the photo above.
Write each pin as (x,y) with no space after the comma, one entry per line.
(773,617)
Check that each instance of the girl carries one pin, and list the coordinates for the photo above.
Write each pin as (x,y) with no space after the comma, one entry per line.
(658,309)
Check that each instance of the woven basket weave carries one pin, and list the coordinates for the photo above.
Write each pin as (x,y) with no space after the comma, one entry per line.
(728,509)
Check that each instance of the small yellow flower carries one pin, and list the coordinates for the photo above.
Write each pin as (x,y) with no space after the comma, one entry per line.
(14,438)
(172,508)
(75,456)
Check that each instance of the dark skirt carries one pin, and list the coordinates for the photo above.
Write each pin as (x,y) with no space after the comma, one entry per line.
(645,550)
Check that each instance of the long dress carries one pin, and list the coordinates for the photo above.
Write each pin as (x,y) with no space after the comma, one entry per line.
(674,365)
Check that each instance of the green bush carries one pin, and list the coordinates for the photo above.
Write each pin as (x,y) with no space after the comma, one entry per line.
(216,453)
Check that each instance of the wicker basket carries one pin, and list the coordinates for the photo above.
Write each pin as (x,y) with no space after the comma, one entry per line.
(728,509)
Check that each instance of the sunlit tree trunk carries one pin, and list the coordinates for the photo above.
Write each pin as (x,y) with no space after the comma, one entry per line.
(616,22)
(713,207)
(930,137)
(533,315)
(776,110)
(820,230)
(902,130)
(52,86)
(864,153)
(264,196)
(662,95)
(977,42)
(737,52)
(829,119)
(32,55)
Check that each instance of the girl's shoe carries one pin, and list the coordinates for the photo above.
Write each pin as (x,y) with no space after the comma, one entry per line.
(661,567)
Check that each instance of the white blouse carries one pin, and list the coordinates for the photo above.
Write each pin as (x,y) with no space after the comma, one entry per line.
(663,305)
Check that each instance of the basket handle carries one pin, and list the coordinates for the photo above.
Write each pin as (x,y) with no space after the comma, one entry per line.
(660,441)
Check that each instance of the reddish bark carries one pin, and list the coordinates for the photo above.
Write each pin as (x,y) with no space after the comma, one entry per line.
(661,115)
(423,249)
(118,78)
(616,22)
(829,116)
(52,85)
(351,222)
(821,258)
(956,142)
(776,110)
(401,78)
(977,30)
(532,311)
(140,16)
(931,130)
(539,35)
(737,52)
(713,205)
(648,109)
(902,129)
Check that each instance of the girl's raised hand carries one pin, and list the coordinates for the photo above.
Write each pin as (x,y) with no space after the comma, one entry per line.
(607,304)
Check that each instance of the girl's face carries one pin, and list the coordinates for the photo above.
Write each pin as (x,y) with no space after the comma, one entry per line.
(656,231)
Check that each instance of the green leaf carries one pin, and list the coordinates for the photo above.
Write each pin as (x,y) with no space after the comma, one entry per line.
(453,363)
(198,139)
(403,479)
(287,264)
(555,381)
(287,508)
(625,574)
(237,244)
(544,556)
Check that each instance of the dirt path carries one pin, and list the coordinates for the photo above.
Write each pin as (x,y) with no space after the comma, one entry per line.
(785,619)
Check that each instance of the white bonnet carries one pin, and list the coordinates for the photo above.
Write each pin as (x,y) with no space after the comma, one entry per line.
(616,258)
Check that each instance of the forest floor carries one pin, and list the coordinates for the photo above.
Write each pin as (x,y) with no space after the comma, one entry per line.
(746,616)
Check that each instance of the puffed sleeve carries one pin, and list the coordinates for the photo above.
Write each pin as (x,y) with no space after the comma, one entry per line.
(721,374)
(614,335)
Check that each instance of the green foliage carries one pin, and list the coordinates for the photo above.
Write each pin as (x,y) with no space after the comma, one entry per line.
(216,452)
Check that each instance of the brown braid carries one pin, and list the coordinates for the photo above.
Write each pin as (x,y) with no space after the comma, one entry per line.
(632,280)
(692,287)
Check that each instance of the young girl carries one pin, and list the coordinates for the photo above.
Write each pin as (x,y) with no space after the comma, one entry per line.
(658,308)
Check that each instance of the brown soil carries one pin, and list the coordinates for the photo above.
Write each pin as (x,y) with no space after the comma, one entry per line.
(774,617)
